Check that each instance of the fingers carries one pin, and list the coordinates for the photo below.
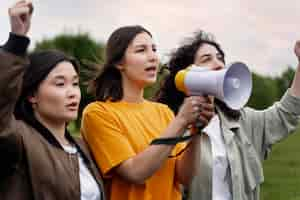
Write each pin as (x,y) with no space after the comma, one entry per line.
(21,8)
(20,17)
(203,109)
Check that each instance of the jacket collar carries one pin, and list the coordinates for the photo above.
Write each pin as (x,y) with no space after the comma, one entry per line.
(46,133)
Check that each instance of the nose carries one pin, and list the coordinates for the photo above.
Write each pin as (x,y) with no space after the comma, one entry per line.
(217,65)
(74,92)
(153,57)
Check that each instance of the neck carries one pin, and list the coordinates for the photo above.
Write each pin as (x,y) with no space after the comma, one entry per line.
(57,128)
(132,92)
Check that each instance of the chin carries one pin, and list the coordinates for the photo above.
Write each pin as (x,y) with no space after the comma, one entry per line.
(71,117)
(150,82)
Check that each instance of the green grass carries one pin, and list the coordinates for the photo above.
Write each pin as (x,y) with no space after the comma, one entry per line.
(282,170)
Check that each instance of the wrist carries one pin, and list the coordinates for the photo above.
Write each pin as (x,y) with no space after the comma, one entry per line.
(17,44)
(181,122)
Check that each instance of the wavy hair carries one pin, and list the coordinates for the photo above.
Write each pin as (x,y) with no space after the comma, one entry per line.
(181,58)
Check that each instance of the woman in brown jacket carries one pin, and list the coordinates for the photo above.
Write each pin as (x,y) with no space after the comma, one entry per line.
(39,95)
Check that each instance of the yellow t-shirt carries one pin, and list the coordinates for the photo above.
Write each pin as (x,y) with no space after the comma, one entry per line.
(116,131)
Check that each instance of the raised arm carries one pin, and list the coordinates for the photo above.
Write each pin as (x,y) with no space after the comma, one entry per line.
(273,124)
(12,63)
(12,60)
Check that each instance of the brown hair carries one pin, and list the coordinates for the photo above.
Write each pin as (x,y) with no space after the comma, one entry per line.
(108,84)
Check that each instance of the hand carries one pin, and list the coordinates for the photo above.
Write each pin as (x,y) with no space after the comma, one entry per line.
(197,108)
(20,17)
(297,50)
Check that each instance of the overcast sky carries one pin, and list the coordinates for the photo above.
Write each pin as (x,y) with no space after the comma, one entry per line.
(260,33)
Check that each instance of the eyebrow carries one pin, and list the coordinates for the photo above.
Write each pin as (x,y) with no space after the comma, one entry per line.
(144,45)
(207,55)
(63,77)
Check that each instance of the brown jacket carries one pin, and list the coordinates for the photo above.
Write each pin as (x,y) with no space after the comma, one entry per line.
(33,164)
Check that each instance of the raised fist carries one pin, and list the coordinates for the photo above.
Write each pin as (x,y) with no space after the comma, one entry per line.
(20,17)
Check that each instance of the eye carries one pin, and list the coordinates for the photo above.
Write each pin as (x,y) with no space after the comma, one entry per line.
(140,50)
(154,48)
(76,83)
(205,59)
(221,58)
(60,84)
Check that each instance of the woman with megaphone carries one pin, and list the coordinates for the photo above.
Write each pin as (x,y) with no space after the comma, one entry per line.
(129,135)
(236,140)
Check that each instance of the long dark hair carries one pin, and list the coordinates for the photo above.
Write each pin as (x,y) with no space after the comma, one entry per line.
(181,58)
(108,84)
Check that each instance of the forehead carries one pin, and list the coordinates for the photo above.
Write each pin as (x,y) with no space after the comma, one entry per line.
(207,49)
(64,68)
(141,39)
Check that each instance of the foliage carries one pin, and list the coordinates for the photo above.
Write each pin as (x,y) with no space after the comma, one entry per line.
(264,92)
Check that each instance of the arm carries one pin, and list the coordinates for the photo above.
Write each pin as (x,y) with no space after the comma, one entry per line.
(188,164)
(11,68)
(140,167)
(11,55)
(275,123)
(12,61)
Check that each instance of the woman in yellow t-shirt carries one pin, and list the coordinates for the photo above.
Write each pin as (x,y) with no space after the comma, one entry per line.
(121,124)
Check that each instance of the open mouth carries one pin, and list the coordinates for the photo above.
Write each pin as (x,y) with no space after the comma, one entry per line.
(150,69)
(72,106)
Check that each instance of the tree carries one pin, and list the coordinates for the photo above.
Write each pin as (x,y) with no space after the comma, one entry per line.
(264,92)
(284,81)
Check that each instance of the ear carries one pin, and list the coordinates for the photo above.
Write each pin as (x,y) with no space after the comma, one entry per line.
(32,99)
(120,67)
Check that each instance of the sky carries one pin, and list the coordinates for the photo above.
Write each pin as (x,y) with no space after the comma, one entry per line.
(259,33)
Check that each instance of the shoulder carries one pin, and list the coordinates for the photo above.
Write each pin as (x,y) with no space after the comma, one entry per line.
(96,105)
(162,109)
(99,107)
(96,111)
(159,106)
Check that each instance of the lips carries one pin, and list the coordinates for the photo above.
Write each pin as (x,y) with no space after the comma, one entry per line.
(153,68)
(72,106)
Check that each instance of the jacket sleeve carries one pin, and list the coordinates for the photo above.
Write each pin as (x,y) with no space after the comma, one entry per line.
(269,126)
(12,64)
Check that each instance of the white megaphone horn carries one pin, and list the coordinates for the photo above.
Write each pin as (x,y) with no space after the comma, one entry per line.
(232,85)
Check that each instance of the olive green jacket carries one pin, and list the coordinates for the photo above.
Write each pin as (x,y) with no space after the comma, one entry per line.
(248,141)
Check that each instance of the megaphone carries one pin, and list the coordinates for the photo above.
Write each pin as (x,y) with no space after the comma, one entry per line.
(232,85)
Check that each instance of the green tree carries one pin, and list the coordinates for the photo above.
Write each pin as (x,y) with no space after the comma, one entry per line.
(284,81)
(264,92)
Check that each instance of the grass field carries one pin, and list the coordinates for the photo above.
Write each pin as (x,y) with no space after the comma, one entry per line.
(282,170)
